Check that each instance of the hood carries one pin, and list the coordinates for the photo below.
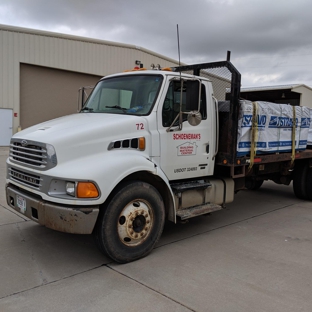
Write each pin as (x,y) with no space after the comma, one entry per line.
(85,133)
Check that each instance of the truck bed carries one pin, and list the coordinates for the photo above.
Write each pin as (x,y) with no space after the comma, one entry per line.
(226,81)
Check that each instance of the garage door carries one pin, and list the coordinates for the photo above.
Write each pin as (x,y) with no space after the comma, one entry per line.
(48,93)
(6,120)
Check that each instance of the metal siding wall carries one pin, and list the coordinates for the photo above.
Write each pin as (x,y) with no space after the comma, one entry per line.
(305,96)
(4,70)
(71,54)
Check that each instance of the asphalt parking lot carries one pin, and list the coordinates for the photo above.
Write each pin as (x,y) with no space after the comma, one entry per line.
(253,256)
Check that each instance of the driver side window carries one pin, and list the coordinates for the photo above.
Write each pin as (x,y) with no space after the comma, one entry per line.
(171,106)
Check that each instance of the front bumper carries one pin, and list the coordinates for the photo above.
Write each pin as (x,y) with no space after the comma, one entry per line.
(68,219)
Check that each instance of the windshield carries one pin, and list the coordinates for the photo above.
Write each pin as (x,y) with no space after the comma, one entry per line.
(134,95)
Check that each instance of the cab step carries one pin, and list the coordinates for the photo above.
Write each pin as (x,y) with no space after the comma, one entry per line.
(195,211)
(182,187)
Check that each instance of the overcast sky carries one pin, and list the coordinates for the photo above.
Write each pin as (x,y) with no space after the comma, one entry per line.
(270,40)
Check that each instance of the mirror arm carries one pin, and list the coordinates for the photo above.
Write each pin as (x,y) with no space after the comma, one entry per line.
(217,128)
(175,119)
(200,85)
(180,113)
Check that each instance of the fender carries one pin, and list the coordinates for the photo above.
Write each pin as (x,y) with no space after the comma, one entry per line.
(124,164)
(172,206)
(116,167)
(110,168)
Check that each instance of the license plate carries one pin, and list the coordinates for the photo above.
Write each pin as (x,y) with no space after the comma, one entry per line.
(21,203)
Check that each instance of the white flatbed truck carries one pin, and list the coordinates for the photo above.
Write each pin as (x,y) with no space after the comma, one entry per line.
(148,146)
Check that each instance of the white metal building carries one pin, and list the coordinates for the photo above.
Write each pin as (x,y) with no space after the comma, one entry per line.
(296,94)
(41,72)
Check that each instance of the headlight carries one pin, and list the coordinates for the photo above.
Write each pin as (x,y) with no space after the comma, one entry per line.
(79,189)
(71,188)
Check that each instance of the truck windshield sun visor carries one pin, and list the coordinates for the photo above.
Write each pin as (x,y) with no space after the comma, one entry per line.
(133,95)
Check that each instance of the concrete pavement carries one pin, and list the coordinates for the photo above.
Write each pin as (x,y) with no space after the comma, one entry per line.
(253,256)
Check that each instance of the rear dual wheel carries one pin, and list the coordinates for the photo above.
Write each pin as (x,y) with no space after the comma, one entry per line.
(131,223)
(309,184)
(302,181)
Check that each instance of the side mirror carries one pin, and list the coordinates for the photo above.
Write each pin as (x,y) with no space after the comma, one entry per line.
(194,118)
(192,95)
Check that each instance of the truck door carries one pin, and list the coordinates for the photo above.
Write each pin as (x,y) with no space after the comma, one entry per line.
(185,153)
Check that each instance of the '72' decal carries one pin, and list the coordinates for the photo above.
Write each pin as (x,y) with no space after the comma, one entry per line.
(139,126)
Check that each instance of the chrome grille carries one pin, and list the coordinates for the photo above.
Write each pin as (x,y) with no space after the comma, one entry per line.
(25,178)
(32,154)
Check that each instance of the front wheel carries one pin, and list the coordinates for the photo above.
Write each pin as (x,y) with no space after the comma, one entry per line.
(131,223)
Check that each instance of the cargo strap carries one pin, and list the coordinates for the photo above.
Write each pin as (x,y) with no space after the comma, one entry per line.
(293,137)
(254,134)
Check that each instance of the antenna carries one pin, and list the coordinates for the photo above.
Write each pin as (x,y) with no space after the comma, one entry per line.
(178,43)
(181,93)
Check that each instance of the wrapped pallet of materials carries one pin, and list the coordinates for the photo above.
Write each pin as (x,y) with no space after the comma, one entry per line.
(309,143)
(270,126)
(305,125)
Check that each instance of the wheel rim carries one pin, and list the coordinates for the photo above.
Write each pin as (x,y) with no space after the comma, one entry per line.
(135,223)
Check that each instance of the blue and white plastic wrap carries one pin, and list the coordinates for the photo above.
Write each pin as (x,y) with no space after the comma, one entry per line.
(274,127)
(310,129)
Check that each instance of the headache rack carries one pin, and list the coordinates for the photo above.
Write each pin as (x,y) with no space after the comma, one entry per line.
(226,81)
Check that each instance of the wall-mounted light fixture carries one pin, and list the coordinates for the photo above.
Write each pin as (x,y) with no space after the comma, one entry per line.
(137,62)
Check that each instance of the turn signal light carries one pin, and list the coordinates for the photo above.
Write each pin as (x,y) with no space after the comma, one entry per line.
(134,69)
(142,144)
(87,190)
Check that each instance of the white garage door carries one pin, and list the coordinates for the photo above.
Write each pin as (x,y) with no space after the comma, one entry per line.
(6,121)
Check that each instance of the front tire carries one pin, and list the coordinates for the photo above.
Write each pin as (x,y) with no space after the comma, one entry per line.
(131,223)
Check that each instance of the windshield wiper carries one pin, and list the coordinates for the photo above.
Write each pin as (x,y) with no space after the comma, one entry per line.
(87,109)
(118,107)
